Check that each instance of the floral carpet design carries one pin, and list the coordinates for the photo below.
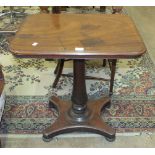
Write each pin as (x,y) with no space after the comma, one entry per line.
(29,86)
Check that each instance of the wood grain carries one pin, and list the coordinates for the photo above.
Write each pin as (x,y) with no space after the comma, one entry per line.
(101,36)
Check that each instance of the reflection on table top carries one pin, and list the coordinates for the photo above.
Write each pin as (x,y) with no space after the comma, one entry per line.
(78,36)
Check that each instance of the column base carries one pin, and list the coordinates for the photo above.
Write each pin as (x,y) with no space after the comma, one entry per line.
(92,123)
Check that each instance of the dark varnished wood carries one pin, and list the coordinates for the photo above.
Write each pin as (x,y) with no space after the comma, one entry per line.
(55,9)
(59,69)
(60,64)
(102,36)
(102,8)
(67,124)
(64,32)
(78,115)
(58,72)
(58,9)
(112,64)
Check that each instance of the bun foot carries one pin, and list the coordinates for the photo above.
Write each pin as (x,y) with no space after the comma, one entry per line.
(110,139)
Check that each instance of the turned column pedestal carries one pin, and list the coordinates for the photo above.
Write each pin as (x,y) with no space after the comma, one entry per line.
(79,114)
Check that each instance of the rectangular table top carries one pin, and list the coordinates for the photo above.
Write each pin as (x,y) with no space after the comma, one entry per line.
(78,36)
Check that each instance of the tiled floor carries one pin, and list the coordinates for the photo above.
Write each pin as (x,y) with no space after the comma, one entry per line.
(81,141)
(144,20)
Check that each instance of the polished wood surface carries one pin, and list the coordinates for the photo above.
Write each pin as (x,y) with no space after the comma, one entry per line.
(80,114)
(112,62)
(57,36)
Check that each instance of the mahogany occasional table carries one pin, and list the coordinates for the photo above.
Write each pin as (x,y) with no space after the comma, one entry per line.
(78,37)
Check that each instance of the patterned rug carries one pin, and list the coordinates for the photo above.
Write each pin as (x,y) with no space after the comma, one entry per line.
(29,86)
